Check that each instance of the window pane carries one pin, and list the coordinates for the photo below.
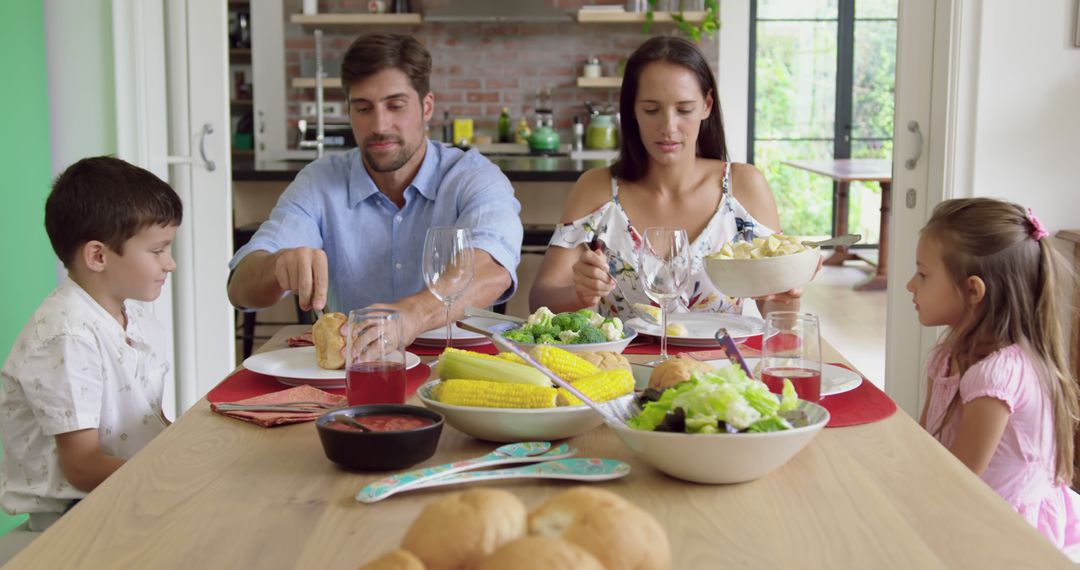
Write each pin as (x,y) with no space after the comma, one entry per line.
(865,197)
(795,80)
(875,9)
(796,9)
(803,199)
(874,79)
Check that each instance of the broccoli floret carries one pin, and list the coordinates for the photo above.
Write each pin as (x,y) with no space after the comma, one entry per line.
(564,321)
(520,335)
(589,335)
(540,330)
(545,339)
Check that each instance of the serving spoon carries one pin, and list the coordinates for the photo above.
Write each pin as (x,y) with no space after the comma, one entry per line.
(511,453)
(843,241)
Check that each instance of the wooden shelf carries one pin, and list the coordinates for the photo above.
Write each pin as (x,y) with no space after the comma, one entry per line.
(240,102)
(240,52)
(342,19)
(599,82)
(602,17)
(309,82)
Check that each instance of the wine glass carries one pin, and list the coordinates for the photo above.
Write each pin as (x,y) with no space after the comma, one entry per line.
(791,349)
(448,267)
(664,268)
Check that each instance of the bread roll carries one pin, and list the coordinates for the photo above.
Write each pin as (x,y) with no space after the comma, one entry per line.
(540,553)
(395,560)
(675,370)
(607,360)
(459,530)
(617,533)
(329,342)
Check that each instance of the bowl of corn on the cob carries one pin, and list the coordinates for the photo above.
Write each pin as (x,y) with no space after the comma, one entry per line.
(499,398)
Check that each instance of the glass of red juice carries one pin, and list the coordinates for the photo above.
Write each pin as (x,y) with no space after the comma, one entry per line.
(374,358)
(791,349)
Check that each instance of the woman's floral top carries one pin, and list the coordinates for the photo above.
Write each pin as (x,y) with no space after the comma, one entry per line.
(610,223)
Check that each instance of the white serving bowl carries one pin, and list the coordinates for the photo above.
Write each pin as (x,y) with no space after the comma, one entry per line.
(610,346)
(765,276)
(722,457)
(510,425)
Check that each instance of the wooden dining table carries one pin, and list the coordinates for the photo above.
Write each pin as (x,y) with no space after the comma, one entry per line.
(845,171)
(215,492)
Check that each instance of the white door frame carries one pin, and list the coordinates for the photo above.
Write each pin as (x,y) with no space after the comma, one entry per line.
(171,79)
(928,76)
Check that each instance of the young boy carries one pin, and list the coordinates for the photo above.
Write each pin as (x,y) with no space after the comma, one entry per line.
(82,386)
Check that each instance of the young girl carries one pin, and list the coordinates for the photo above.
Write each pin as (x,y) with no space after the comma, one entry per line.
(1001,398)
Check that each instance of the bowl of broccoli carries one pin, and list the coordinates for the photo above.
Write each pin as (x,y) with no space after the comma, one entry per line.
(584,330)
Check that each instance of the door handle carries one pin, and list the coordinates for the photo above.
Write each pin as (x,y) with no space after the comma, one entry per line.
(913,127)
(207,129)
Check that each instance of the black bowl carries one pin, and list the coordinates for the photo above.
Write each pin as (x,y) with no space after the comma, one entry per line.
(379,450)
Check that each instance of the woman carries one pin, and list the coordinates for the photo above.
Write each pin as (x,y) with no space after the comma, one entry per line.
(673,171)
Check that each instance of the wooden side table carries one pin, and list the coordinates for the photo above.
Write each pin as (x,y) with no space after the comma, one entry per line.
(845,171)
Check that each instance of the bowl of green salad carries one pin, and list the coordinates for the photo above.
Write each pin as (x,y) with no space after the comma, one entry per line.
(721,427)
(584,330)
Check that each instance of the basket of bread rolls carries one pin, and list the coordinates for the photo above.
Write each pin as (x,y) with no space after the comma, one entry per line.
(583,528)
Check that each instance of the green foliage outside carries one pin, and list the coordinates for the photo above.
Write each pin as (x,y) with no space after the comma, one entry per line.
(795,79)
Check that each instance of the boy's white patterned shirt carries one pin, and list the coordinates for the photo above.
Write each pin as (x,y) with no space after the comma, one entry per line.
(74,367)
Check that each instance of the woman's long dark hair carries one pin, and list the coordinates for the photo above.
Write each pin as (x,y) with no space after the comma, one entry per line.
(633,160)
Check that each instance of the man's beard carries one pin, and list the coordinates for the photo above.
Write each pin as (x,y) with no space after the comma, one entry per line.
(390,163)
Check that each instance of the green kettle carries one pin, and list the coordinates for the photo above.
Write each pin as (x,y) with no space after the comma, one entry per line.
(544,140)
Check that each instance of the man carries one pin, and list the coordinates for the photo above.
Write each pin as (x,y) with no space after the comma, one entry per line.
(349,231)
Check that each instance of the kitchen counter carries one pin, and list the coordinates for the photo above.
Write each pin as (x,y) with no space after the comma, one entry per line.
(525,168)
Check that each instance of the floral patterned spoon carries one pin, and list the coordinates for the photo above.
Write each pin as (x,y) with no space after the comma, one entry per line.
(511,453)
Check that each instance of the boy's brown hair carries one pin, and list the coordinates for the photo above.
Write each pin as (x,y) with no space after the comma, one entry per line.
(108,200)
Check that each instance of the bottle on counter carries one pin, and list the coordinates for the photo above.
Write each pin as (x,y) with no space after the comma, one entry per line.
(504,126)
(447,132)
(523,132)
(579,133)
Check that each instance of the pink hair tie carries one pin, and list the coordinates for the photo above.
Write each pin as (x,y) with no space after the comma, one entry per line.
(1037,230)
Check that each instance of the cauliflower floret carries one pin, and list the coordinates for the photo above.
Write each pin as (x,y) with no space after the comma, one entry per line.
(612,328)
(567,337)
(542,316)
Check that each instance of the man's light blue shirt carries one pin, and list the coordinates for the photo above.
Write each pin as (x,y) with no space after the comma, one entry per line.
(375,249)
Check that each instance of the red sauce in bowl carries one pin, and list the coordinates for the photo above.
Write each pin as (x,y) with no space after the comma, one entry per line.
(385,422)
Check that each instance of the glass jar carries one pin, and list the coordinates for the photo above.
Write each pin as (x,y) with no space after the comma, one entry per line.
(601,133)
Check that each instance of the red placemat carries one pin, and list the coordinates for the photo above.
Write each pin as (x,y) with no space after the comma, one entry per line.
(863,405)
(424,350)
(245,384)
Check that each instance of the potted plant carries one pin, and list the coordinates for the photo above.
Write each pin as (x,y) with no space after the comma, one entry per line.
(708,25)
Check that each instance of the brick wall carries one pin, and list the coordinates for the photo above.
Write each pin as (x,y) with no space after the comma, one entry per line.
(481,68)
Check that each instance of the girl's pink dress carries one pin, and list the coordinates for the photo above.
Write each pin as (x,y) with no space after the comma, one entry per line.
(1022,469)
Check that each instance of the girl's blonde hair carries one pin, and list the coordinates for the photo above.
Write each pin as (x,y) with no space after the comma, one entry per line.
(1004,245)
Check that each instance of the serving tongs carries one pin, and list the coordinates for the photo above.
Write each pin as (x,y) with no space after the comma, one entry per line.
(618,411)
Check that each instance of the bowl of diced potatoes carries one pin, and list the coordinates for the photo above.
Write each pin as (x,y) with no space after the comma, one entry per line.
(765,266)
(499,398)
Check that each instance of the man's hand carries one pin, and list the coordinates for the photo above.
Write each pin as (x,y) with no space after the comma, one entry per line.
(303,270)
(82,461)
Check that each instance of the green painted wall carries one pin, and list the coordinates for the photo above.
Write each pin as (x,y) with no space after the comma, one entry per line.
(29,270)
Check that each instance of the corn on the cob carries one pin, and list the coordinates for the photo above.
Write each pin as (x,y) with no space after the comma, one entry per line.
(564,364)
(457,363)
(487,394)
(510,356)
(607,385)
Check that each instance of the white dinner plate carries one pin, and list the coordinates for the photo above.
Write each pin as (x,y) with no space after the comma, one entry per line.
(701,327)
(834,379)
(296,366)
(462,337)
